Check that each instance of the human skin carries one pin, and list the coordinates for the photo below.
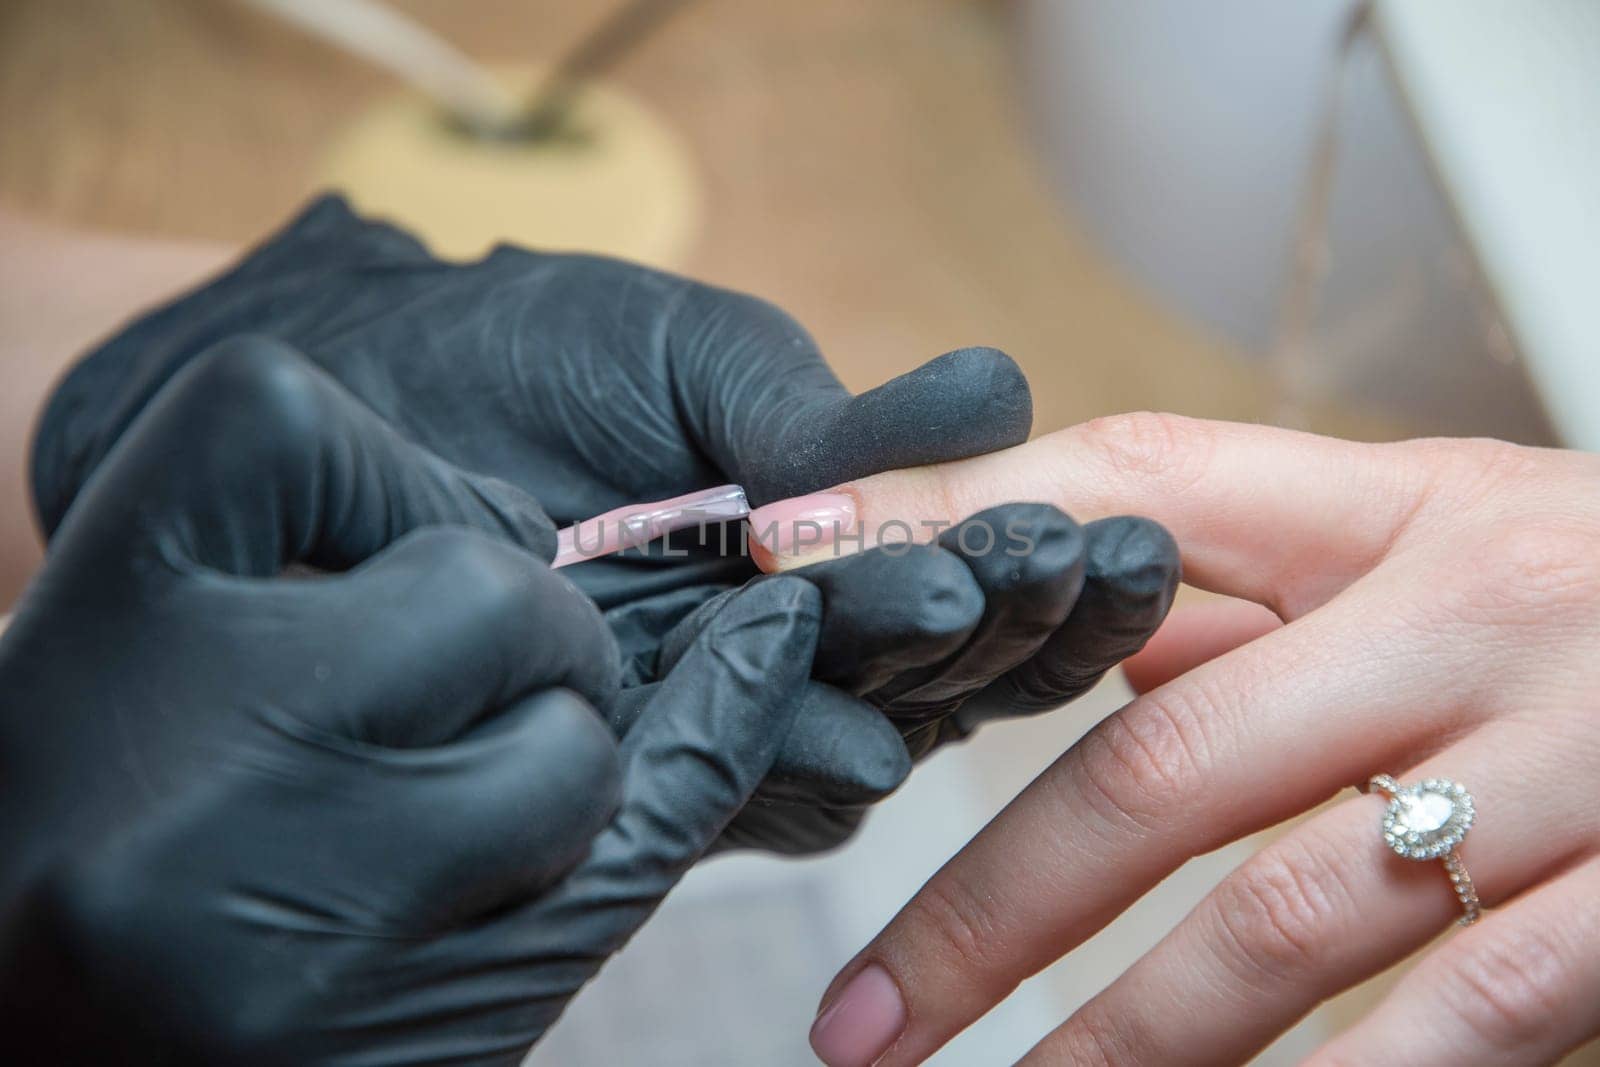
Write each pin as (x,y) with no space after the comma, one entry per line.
(1440,607)
(61,290)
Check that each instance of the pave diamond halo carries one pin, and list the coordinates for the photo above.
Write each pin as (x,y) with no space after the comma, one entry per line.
(1428,820)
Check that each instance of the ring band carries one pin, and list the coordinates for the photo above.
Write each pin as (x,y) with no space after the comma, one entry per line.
(1427,821)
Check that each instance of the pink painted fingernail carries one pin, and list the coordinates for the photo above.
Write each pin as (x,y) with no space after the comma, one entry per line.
(862,1022)
(801,526)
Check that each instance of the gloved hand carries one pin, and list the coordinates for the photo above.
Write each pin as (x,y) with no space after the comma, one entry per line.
(942,637)
(363,817)
(587,382)
(591,384)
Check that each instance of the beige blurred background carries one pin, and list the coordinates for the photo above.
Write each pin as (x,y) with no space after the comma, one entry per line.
(869,166)
(866,167)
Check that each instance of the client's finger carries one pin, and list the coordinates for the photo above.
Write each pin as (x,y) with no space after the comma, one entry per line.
(1178,772)
(1312,914)
(1194,635)
(1520,987)
(1278,517)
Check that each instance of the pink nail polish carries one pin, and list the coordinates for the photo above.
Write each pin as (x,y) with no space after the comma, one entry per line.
(862,1022)
(802,525)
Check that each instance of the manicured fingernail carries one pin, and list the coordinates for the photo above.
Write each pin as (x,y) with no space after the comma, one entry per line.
(803,529)
(862,1022)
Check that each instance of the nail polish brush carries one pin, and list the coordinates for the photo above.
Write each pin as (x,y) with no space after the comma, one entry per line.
(635,524)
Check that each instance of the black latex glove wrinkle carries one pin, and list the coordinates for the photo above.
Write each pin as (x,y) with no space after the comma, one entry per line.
(369,817)
(591,383)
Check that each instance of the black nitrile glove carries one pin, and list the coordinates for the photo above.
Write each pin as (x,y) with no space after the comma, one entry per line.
(587,382)
(363,817)
(590,384)
(945,636)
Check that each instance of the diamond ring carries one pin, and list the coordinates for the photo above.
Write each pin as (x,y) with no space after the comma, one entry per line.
(1427,821)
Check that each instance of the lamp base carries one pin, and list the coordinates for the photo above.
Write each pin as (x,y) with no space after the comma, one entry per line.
(613,180)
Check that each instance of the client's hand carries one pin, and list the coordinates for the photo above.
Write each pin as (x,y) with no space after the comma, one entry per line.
(590,384)
(366,816)
(1442,610)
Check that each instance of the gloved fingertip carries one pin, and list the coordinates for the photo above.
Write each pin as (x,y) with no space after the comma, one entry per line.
(964,403)
(1020,546)
(841,751)
(946,602)
(783,602)
(1134,559)
(977,397)
(1001,398)
(761,645)
(888,610)
(881,772)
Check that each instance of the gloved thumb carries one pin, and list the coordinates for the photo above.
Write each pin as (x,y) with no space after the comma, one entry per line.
(689,765)
(712,733)
(764,406)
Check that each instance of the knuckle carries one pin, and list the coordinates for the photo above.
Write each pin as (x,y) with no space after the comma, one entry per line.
(1506,990)
(956,919)
(1456,479)
(1278,914)
(1095,1037)
(1171,449)
(257,370)
(568,723)
(260,394)
(1480,461)
(947,492)
(478,573)
(1143,763)
(1542,562)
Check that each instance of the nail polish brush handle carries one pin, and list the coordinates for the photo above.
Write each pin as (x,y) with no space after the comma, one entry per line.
(636,524)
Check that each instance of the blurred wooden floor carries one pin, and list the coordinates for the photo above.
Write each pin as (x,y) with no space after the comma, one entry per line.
(865,167)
